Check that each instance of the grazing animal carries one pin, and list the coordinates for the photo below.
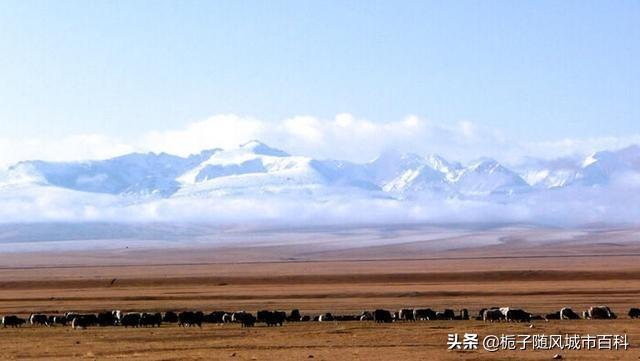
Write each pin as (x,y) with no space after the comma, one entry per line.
(294,316)
(151,319)
(366,316)
(39,320)
(226,318)
(447,314)
(271,318)
(305,318)
(244,318)
(117,315)
(131,319)
(13,321)
(237,316)
(326,317)
(424,314)
(492,315)
(190,319)
(464,315)
(213,317)
(518,315)
(552,316)
(70,316)
(170,317)
(107,319)
(248,320)
(567,314)
(57,320)
(480,316)
(81,322)
(504,311)
(279,317)
(382,316)
(634,313)
(89,319)
(600,313)
(406,314)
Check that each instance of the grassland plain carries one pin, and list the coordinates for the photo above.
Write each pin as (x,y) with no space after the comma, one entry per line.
(539,280)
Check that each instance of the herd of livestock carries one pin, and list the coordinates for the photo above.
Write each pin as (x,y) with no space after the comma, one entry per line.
(278,318)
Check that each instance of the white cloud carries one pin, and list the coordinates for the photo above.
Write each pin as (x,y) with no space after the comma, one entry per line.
(343,137)
(307,129)
(575,146)
(74,147)
(573,206)
(220,131)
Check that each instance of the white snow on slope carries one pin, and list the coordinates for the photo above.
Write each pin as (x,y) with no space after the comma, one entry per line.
(394,186)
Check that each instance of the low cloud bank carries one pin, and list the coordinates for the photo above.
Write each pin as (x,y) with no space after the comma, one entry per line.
(617,203)
(343,137)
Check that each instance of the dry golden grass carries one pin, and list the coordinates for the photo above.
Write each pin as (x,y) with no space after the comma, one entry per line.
(317,341)
(471,279)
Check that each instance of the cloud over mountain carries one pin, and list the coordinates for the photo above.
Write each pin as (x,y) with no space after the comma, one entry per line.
(259,184)
(343,137)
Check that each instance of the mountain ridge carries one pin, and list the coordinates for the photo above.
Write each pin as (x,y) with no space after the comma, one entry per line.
(256,168)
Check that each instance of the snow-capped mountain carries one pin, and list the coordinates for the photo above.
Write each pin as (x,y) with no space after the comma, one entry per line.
(255,169)
(594,170)
(600,167)
(128,174)
(422,178)
(435,175)
(486,177)
(451,169)
(547,174)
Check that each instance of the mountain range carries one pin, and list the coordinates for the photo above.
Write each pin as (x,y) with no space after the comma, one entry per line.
(255,169)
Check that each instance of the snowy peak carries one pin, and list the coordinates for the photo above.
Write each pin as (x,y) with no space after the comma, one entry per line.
(547,174)
(202,156)
(391,164)
(22,173)
(255,168)
(486,165)
(405,173)
(420,179)
(251,157)
(600,167)
(626,158)
(594,170)
(134,173)
(486,177)
(439,163)
(258,147)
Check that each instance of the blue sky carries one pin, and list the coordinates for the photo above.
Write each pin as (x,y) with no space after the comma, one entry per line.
(530,70)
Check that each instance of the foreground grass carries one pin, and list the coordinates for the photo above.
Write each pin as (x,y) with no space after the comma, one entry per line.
(317,341)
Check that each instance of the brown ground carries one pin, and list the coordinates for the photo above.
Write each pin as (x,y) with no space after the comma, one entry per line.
(317,341)
(538,278)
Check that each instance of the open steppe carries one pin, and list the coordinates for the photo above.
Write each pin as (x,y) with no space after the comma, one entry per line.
(540,272)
